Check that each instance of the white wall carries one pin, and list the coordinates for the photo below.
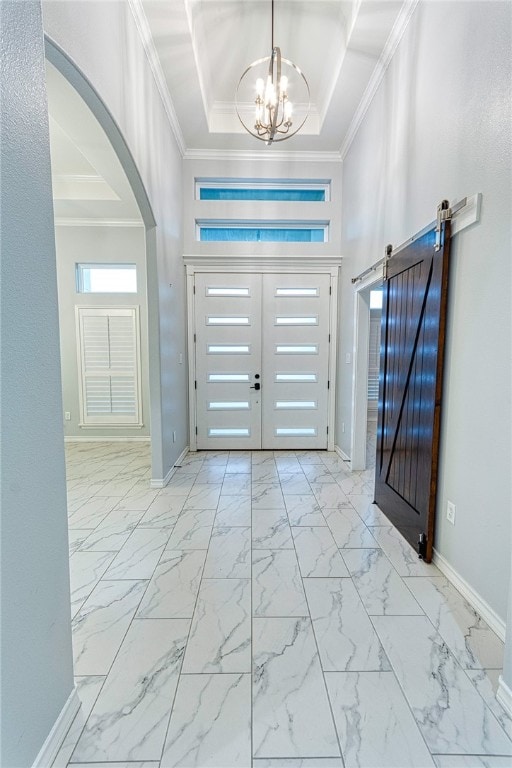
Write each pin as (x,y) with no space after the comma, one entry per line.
(439,127)
(103,42)
(122,245)
(261,168)
(37,675)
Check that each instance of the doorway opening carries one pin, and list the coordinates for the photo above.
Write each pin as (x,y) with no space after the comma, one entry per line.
(373,375)
(365,393)
(101,277)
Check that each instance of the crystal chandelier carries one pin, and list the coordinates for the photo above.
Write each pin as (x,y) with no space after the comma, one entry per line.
(272,116)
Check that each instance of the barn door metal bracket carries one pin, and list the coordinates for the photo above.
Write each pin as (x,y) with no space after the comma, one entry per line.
(422,546)
(444,213)
(389,251)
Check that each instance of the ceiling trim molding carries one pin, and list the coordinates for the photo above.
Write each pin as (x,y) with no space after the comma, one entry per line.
(387,54)
(203,88)
(79,178)
(268,156)
(144,31)
(77,222)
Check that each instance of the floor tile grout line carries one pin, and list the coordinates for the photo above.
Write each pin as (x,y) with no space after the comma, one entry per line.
(171,709)
(111,665)
(252,635)
(319,657)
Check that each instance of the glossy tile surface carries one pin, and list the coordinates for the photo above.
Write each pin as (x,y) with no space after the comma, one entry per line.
(449,711)
(317,553)
(472,642)
(172,591)
(344,633)
(287,679)
(277,588)
(374,723)
(220,635)
(130,716)
(380,587)
(210,723)
(260,611)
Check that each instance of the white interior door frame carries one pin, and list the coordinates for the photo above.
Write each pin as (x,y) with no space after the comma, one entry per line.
(329,266)
(360,368)
(191,330)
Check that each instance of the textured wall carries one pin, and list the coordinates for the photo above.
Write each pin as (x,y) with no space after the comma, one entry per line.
(36,640)
(439,127)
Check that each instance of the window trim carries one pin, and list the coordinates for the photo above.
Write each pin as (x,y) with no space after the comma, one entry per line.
(263,224)
(323,185)
(79,277)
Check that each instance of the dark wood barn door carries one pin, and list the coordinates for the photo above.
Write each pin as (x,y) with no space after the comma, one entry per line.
(410,387)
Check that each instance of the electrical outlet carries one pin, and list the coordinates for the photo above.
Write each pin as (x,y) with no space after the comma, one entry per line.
(450,512)
(174,436)
(348,358)
(67,415)
(342,426)
(180,358)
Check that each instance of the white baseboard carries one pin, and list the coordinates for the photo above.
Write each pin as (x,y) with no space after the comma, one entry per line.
(341,453)
(161,482)
(480,605)
(504,696)
(55,739)
(79,439)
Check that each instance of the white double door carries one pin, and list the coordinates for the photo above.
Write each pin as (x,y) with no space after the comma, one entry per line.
(262,345)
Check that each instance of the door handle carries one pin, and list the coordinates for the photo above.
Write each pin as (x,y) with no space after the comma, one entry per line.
(257,386)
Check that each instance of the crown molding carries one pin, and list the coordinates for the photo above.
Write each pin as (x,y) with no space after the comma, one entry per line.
(276,156)
(77,222)
(143,28)
(387,54)
(79,178)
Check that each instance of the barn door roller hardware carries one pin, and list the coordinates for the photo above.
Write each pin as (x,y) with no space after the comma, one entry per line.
(444,213)
(389,251)
(462,214)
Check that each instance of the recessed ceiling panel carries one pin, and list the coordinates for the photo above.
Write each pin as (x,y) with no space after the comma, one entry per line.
(204,46)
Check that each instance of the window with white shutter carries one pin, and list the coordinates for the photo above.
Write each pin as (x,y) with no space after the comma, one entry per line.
(109,366)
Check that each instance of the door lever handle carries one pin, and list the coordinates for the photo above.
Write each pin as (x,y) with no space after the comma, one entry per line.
(257,386)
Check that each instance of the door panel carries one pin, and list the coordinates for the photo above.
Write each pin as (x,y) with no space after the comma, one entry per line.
(228,355)
(262,360)
(412,348)
(295,360)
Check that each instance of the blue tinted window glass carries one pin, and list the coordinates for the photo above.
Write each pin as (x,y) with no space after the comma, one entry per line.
(268,235)
(289,195)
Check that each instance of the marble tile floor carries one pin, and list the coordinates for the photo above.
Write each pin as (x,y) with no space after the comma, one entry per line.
(261,611)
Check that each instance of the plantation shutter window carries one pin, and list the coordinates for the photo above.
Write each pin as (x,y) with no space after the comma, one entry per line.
(109,366)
